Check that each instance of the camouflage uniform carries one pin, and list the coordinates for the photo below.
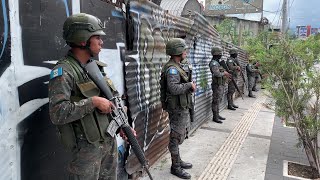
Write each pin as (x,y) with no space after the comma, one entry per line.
(232,65)
(251,73)
(178,101)
(256,78)
(217,72)
(80,125)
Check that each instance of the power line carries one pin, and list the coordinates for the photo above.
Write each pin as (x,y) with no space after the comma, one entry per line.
(290,12)
(262,9)
(291,3)
(277,11)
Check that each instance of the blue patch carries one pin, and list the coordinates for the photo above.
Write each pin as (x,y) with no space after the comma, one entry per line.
(173,71)
(55,73)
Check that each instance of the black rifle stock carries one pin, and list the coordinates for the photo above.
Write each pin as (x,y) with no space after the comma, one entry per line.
(119,116)
(244,80)
(224,65)
(191,110)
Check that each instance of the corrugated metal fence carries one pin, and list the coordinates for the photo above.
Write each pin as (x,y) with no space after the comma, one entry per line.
(152,28)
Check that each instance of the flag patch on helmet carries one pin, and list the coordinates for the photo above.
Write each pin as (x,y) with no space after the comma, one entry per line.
(173,71)
(55,73)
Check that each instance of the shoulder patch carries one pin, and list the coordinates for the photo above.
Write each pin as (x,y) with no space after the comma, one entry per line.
(173,71)
(56,72)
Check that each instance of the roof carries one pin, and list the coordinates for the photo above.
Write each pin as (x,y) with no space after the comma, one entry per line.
(174,7)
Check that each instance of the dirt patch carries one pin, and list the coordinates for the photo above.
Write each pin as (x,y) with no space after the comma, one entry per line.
(304,171)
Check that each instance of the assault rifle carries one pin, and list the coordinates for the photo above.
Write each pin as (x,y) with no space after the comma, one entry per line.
(119,116)
(244,80)
(224,65)
(191,109)
(241,74)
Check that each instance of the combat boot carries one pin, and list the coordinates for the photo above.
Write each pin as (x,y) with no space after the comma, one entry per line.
(231,107)
(185,165)
(251,95)
(221,118)
(235,106)
(179,172)
(229,98)
(215,118)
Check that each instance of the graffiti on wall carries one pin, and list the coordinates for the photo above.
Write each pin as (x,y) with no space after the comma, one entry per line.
(31,43)
(153,27)
(5,37)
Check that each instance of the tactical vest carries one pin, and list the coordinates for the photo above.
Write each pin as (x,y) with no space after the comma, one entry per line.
(168,100)
(92,126)
(234,72)
(217,80)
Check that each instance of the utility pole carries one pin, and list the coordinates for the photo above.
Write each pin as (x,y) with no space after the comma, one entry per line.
(284,27)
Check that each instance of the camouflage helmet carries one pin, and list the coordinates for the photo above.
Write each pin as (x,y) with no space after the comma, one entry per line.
(216,50)
(233,51)
(80,27)
(175,46)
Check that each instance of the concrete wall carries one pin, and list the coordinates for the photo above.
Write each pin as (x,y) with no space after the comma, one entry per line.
(241,26)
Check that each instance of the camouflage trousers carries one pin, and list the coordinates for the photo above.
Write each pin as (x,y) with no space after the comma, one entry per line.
(251,82)
(94,161)
(231,91)
(179,122)
(256,79)
(216,97)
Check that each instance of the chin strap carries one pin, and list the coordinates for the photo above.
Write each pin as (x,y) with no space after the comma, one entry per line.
(86,47)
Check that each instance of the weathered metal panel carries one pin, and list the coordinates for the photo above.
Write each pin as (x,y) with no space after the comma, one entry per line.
(174,7)
(153,27)
(202,36)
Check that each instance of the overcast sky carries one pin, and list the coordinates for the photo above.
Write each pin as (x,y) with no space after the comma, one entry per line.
(301,12)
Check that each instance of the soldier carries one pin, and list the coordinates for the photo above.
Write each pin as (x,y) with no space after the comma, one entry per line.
(251,73)
(233,67)
(177,87)
(257,76)
(76,107)
(218,74)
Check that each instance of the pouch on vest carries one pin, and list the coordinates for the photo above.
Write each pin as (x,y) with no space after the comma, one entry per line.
(183,101)
(67,136)
(172,102)
(190,102)
(89,125)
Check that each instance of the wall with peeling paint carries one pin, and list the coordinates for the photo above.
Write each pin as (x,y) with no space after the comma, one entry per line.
(134,49)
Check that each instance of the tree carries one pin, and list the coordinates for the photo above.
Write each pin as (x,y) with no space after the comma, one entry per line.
(294,83)
(229,32)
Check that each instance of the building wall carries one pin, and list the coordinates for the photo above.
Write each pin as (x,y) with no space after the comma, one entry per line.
(241,26)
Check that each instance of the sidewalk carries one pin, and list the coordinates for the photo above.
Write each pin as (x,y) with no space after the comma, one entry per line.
(242,148)
(283,147)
